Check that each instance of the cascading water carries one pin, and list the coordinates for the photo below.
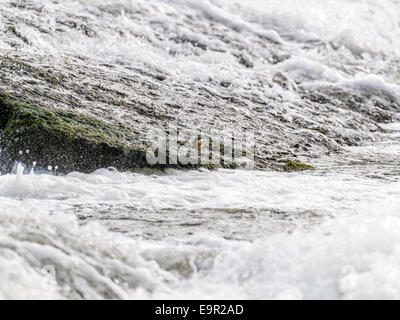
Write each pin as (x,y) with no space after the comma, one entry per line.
(332,233)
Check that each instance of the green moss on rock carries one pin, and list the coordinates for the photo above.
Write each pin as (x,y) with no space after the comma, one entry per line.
(291,165)
(71,141)
(321,130)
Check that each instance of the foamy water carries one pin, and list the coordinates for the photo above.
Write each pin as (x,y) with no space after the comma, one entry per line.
(333,233)
(220,234)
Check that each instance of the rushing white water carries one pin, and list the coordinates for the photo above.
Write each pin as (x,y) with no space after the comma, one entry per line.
(221,234)
(333,233)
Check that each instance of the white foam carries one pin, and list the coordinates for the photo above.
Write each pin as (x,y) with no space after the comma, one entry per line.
(373,85)
(89,262)
(305,70)
(353,251)
(231,20)
(196,190)
(395,126)
(352,257)
(146,40)
(361,26)
(344,257)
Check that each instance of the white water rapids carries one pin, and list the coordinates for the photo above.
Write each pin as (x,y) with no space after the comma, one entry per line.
(332,233)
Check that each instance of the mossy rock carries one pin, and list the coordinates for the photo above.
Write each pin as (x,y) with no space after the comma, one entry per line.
(70,141)
(321,130)
(291,166)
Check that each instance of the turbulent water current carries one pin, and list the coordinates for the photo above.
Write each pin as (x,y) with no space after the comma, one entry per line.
(331,233)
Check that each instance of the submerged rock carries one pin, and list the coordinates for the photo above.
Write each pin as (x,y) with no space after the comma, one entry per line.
(85,90)
(291,165)
(70,141)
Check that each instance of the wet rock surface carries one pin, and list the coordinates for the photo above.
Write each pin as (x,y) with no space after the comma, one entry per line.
(200,70)
(82,82)
(73,142)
